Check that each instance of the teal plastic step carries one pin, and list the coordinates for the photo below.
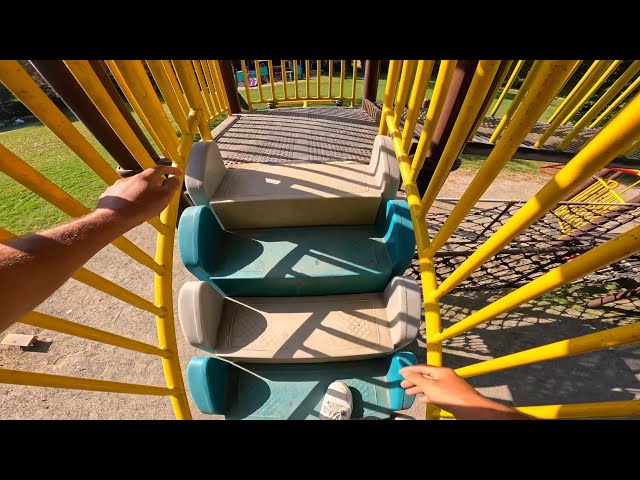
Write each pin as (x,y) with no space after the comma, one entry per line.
(299,260)
(296,391)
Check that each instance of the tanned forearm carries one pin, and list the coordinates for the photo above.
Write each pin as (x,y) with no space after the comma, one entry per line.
(35,266)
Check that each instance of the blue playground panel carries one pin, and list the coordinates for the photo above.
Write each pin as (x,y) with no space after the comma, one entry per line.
(298,261)
(296,391)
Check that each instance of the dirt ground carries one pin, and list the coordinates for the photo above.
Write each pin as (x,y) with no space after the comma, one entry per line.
(600,376)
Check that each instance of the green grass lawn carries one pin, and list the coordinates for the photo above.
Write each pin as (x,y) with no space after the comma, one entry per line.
(22,211)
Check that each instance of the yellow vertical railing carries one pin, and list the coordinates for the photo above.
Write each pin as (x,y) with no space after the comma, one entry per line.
(505,90)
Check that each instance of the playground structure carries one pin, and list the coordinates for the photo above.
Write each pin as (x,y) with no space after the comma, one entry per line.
(191,100)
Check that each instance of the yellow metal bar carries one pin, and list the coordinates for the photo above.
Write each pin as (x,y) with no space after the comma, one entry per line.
(613,337)
(203,88)
(353,84)
(318,77)
(214,69)
(40,320)
(491,95)
(113,68)
(541,94)
(259,78)
(406,80)
(574,92)
(218,103)
(246,83)
(578,63)
(507,87)
(632,149)
(573,101)
(611,92)
(27,91)
(90,83)
(343,64)
(389,94)
(295,79)
(18,377)
(187,78)
(330,78)
(168,94)
(617,102)
(272,79)
(443,82)
(515,103)
(140,85)
(615,138)
(482,78)
(592,90)
(163,286)
(175,86)
(307,69)
(624,408)
(23,173)
(423,75)
(283,70)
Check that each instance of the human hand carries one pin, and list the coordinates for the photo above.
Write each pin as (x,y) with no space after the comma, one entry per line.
(445,389)
(142,196)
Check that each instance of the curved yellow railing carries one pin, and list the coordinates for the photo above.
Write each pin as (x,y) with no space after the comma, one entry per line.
(194,95)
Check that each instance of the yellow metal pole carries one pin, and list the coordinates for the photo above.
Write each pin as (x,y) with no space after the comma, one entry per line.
(295,79)
(389,94)
(515,103)
(573,101)
(136,107)
(423,75)
(506,88)
(574,92)
(592,90)
(201,80)
(23,173)
(542,92)
(611,92)
(307,69)
(259,78)
(578,63)
(272,79)
(221,93)
(330,78)
(318,77)
(615,138)
(353,84)
(18,377)
(624,408)
(169,71)
(163,284)
(592,342)
(443,82)
(283,70)
(632,149)
(491,95)
(211,86)
(187,78)
(27,91)
(406,79)
(617,102)
(480,84)
(246,83)
(90,83)
(40,320)
(168,94)
(343,66)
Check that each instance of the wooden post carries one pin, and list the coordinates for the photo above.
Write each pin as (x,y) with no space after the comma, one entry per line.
(465,69)
(371,77)
(230,86)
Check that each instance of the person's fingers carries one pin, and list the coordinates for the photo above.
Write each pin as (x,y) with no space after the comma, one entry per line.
(413,391)
(406,384)
(421,369)
(419,380)
(159,170)
(171,184)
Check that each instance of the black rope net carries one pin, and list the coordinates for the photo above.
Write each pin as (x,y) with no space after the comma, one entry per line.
(569,230)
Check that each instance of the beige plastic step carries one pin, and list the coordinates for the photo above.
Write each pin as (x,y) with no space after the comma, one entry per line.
(300,329)
(260,195)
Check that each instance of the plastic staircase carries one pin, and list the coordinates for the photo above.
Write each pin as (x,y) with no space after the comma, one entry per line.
(299,284)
